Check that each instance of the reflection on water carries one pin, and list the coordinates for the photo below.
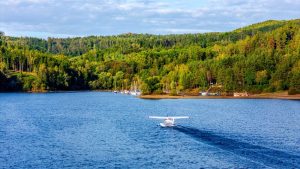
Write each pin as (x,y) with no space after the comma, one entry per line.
(267,156)
(105,130)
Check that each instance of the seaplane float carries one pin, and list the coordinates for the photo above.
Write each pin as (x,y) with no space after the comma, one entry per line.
(169,121)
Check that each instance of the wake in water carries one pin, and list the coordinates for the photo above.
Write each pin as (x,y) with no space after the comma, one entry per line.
(269,157)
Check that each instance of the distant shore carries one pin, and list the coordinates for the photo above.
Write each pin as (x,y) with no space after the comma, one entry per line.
(277,95)
(281,95)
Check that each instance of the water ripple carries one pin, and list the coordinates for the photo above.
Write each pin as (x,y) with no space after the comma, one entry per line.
(266,156)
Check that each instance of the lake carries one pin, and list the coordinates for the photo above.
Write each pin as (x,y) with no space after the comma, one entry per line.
(106,130)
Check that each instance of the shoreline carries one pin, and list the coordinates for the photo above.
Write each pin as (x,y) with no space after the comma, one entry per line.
(277,95)
(56,91)
(283,96)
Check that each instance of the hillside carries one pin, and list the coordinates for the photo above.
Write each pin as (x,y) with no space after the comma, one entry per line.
(267,25)
(263,57)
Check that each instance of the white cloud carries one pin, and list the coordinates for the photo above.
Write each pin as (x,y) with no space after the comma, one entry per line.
(181,30)
(131,6)
(119,18)
(17,2)
(102,17)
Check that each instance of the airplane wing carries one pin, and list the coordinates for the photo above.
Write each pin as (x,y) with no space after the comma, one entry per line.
(180,117)
(169,117)
(158,117)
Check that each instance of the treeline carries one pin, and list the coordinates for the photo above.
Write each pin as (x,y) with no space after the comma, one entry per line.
(263,57)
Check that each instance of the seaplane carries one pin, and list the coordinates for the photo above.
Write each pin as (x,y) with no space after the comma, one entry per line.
(169,121)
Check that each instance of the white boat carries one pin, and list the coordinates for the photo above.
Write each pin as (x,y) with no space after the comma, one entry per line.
(134,90)
(135,93)
(168,121)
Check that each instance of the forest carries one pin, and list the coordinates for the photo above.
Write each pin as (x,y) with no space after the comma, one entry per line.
(263,57)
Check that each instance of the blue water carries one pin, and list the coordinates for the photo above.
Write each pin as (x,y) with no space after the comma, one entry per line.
(105,130)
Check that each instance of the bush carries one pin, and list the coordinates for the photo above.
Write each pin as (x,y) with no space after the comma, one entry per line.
(293,90)
(173,92)
(28,83)
(159,91)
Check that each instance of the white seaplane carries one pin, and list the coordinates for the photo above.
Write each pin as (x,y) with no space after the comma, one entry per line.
(169,121)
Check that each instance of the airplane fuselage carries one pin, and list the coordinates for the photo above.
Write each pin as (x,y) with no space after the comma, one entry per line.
(168,123)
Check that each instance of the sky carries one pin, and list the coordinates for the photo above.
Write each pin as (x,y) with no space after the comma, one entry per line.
(70,18)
